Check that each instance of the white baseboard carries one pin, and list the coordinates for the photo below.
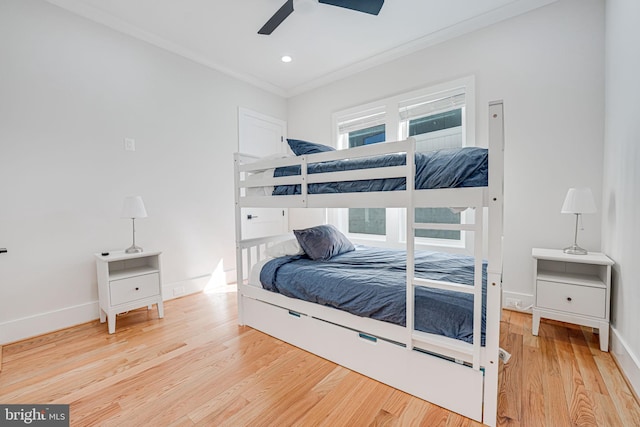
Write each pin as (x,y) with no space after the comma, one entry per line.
(38,324)
(231,276)
(627,361)
(42,323)
(185,287)
(525,301)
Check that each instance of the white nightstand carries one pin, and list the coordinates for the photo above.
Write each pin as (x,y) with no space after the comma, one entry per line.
(573,289)
(126,282)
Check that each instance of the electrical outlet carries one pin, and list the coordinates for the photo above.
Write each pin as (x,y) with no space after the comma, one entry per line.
(178,290)
(130,144)
(514,302)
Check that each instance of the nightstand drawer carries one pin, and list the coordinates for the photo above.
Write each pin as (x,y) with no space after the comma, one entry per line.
(134,288)
(584,300)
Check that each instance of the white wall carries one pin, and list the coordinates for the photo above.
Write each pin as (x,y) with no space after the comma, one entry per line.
(548,67)
(621,188)
(70,91)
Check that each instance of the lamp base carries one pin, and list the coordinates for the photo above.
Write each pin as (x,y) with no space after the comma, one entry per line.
(575,250)
(133,249)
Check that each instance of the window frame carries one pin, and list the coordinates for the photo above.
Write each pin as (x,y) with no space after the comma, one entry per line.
(397,129)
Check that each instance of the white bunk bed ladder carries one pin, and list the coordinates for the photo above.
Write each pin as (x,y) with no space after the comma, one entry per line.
(416,338)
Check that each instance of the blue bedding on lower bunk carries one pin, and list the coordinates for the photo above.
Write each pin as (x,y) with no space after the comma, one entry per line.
(449,168)
(371,282)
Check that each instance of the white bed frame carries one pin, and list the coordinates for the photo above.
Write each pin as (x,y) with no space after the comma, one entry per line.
(458,376)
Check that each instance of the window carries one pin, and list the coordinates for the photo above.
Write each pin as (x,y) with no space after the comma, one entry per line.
(436,124)
(438,117)
(367,220)
(368,129)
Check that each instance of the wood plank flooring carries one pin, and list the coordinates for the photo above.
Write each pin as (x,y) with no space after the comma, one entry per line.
(198,367)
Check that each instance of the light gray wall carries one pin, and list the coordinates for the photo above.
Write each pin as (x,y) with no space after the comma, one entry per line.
(70,91)
(548,67)
(621,188)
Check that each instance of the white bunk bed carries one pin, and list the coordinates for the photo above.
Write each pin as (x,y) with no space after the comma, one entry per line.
(456,375)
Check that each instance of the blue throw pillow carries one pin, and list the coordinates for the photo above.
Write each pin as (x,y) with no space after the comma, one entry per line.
(301,148)
(323,242)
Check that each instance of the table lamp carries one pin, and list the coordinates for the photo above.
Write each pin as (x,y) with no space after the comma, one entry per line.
(578,201)
(133,207)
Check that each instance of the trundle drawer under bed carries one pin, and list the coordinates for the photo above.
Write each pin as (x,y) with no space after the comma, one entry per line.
(423,375)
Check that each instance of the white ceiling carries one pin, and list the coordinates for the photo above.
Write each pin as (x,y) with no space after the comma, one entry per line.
(326,42)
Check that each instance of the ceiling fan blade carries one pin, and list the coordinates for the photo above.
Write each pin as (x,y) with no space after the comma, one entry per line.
(367,6)
(277,18)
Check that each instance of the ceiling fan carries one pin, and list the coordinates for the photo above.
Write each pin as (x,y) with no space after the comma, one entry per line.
(367,6)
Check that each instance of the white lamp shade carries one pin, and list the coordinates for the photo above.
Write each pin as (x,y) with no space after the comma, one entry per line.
(133,207)
(579,201)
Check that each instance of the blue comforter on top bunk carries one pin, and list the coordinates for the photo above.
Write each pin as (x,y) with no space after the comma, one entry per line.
(450,168)
(371,282)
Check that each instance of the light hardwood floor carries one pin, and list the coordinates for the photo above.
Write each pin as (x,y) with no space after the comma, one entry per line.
(198,367)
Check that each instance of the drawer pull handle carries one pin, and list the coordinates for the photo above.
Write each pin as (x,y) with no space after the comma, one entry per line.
(569,299)
(368,337)
(137,289)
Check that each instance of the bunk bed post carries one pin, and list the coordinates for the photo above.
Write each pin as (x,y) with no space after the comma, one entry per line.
(494,268)
(410,162)
(478,239)
(238,224)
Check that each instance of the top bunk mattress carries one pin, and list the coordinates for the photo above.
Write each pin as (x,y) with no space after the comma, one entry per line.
(449,168)
(371,282)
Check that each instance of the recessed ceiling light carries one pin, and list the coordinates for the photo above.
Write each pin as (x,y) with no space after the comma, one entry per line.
(286,58)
